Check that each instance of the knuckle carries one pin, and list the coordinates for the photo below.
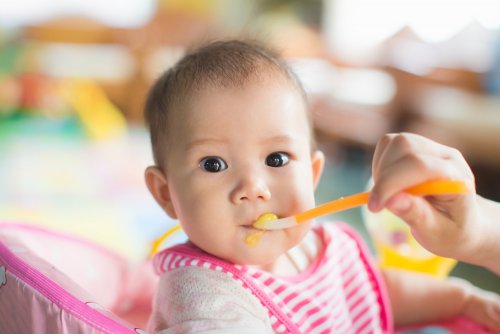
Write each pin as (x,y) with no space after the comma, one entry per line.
(404,141)
(385,140)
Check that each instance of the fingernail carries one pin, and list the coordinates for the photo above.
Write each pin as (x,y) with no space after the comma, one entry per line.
(373,202)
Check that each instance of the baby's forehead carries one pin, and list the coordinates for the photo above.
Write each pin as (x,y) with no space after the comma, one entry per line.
(234,99)
(260,80)
(191,108)
(225,110)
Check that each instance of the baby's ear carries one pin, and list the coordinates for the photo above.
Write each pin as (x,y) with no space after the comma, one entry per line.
(158,187)
(318,163)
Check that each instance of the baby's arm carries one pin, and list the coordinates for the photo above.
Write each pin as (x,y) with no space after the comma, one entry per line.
(418,299)
(199,300)
(464,227)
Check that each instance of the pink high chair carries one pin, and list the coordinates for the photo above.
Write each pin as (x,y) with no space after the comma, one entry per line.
(51,282)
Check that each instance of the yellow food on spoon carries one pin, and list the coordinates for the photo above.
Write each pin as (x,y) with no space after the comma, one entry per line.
(263,219)
(253,238)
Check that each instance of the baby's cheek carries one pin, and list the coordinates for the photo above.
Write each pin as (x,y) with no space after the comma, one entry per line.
(300,202)
(301,194)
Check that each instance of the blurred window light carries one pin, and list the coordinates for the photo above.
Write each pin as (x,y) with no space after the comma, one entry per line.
(103,62)
(359,25)
(118,13)
(359,86)
(364,87)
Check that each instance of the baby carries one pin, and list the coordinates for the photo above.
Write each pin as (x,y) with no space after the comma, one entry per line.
(232,139)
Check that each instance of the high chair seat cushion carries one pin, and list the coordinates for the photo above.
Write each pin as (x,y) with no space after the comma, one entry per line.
(55,283)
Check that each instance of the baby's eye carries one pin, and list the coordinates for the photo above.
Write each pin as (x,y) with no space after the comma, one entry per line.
(213,164)
(277,159)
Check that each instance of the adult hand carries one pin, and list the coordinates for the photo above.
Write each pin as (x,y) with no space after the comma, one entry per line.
(448,225)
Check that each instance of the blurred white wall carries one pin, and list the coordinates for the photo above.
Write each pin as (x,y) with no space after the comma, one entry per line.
(117,13)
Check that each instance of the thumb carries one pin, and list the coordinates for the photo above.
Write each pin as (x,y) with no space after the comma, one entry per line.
(413,210)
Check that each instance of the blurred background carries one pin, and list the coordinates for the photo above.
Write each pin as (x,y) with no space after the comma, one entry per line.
(74,74)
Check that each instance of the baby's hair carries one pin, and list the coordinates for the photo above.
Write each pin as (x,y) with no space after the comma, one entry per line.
(220,64)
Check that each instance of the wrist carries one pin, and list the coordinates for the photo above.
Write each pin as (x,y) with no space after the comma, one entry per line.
(463,293)
(484,248)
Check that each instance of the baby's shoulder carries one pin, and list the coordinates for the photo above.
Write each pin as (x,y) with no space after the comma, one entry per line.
(194,277)
(185,285)
(200,293)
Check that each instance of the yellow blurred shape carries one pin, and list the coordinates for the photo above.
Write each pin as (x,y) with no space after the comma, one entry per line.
(100,118)
(203,8)
(434,265)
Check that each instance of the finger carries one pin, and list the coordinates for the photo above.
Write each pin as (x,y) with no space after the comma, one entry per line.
(408,171)
(395,146)
(418,214)
(490,316)
(415,211)
(430,226)
(494,314)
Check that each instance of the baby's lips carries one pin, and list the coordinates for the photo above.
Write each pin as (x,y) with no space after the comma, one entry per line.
(263,219)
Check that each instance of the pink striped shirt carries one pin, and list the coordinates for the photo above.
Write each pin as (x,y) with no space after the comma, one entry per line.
(340,292)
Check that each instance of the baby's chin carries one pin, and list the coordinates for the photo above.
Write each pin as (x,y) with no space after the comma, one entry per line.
(269,247)
(256,258)
(260,254)
(265,249)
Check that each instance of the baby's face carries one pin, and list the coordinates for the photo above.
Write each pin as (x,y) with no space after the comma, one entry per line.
(236,154)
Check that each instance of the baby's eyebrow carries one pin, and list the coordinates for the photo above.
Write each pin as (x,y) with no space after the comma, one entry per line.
(204,142)
(280,139)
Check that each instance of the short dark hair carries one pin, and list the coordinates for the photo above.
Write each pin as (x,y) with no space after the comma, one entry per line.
(220,64)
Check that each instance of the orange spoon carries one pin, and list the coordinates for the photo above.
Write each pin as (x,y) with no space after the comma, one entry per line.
(437,187)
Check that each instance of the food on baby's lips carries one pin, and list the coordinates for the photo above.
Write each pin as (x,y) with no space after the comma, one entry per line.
(261,221)
(253,238)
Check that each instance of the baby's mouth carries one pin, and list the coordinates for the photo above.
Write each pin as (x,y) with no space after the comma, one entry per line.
(253,237)
(263,219)
(253,224)
(249,227)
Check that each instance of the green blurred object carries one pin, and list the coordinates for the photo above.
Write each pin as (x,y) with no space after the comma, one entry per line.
(24,124)
(10,54)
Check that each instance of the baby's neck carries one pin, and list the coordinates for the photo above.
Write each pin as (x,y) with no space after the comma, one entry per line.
(297,259)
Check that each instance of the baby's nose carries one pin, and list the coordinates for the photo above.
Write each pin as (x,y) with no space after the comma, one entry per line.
(251,189)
